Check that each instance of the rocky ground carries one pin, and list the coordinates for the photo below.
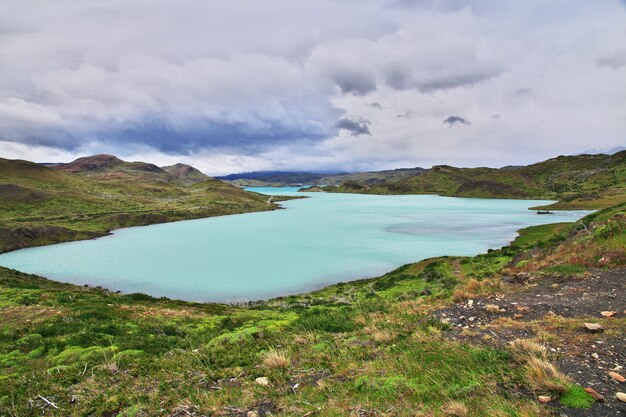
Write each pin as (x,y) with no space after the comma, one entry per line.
(554,310)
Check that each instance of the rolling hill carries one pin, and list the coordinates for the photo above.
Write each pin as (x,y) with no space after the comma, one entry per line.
(91,196)
(582,181)
(110,167)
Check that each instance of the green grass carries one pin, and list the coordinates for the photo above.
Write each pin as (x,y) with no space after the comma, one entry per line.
(119,353)
(537,235)
(576,397)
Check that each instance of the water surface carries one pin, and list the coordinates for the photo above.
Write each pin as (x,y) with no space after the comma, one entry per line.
(314,242)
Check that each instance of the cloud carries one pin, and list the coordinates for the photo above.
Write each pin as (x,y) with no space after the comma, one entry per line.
(407,115)
(455,120)
(272,87)
(354,126)
(173,107)
(615,60)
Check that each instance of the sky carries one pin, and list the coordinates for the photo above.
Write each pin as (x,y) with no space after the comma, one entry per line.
(327,85)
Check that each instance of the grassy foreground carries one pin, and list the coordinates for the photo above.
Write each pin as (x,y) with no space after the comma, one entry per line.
(366,348)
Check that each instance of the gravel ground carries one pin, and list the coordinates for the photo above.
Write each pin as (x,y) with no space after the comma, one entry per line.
(533,303)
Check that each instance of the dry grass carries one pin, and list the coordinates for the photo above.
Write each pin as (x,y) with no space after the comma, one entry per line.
(544,377)
(380,335)
(30,315)
(492,308)
(461,295)
(274,359)
(456,409)
(473,285)
(474,288)
(523,350)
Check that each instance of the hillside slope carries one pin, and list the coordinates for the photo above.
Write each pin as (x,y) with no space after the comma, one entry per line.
(583,181)
(91,196)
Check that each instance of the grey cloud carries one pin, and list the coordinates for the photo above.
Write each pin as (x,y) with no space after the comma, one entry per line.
(283,73)
(398,77)
(456,80)
(455,120)
(174,108)
(523,91)
(354,83)
(496,116)
(355,126)
(614,61)
(407,115)
(375,105)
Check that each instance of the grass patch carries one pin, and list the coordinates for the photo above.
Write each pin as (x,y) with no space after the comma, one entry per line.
(576,397)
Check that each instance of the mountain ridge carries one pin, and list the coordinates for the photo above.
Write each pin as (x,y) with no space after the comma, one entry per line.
(110,165)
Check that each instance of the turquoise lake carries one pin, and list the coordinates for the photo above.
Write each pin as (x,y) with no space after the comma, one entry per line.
(321,240)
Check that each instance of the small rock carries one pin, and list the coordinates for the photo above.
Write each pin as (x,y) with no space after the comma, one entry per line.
(595,355)
(594,327)
(262,380)
(608,313)
(594,394)
(621,396)
(252,414)
(617,377)
(518,316)
(544,399)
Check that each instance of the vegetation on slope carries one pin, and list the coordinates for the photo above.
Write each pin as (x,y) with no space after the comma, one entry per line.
(582,181)
(92,196)
(370,347)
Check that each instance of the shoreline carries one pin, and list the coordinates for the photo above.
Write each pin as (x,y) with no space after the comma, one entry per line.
(300,292)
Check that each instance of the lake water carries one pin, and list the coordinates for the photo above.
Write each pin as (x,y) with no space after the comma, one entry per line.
(314,242)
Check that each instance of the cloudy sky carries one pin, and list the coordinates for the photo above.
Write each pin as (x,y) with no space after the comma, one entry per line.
(241,85)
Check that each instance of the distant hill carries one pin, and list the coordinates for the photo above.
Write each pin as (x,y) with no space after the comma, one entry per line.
(589,181)
(273,178)
(603,151)
(185,174)
(284,178)
(90,196)
(112,167)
